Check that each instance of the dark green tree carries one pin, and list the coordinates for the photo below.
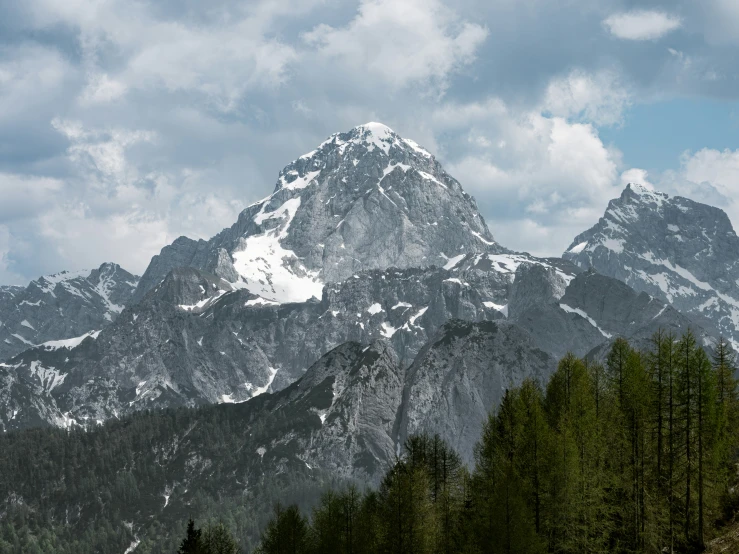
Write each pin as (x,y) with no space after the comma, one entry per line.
(192,543)
(286,533)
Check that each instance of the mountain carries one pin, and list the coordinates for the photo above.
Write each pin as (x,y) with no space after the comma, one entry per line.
(416,255)
(140,477)
(365,199)
(680,251)
(365,300)
(343,419)
(194,341)
(62,306)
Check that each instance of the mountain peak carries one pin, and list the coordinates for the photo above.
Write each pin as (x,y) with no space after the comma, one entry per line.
(673,248)
(364,199)
(644,193)
(376,128)
(362,139)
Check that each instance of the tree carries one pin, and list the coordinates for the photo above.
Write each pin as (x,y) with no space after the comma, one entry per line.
(286,533)
(192,543)
(218,540)
(576,484)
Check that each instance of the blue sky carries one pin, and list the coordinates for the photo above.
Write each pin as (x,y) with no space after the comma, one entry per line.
(654,135)
(125,124)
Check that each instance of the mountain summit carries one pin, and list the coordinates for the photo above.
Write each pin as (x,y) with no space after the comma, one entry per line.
(365,199)
(683,252)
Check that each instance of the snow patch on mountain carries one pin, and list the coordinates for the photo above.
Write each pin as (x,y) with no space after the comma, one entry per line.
(589,319)
(268,269)
(68,343)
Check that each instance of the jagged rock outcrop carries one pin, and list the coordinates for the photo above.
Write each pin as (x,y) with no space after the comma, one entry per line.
(535,285)
(62,306)
(223,345)
(680,251)
(595,310)
(461,376)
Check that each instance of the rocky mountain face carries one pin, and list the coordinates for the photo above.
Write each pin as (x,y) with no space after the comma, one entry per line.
(62,306)
(366,199)
(461,375)
(680,251)
(194,341)
(250,310)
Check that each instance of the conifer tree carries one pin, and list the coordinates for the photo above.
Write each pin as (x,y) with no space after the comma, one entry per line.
(286,533)
(216,539)
(192,543)
(727,414)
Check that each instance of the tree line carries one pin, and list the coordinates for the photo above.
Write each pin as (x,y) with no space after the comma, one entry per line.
(636,455)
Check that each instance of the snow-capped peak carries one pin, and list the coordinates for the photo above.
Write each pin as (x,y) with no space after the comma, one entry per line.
(376,128)
(371,136)
(647,193)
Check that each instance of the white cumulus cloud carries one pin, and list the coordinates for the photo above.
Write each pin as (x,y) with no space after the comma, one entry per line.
(642,24)
(400,42)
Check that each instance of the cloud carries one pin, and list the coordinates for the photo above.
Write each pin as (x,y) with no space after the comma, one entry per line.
(106,209)
(24,196)
(103,150)
(637,176)
(31,77)
(720,20)
(102,89)
(400,42)
(538,180)
(720,168)
(599,98)
(642,24)
(220,60)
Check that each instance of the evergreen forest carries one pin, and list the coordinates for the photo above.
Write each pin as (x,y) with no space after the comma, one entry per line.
(634,455)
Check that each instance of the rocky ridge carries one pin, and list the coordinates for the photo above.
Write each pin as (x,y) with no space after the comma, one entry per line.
(63,306)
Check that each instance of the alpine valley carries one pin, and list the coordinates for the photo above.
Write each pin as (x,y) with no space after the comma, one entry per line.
(363,301)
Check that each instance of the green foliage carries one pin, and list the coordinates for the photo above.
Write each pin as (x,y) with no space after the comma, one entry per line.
(192,543)
(216,539)
(287,533)
(101,490)
(635,456)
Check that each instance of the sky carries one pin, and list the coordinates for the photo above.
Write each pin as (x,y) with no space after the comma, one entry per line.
(125,124)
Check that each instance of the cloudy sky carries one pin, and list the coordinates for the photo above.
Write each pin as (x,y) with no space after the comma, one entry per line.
(125,124)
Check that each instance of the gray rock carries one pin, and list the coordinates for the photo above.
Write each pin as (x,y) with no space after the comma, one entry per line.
(680,251)
(461,376)
(535,285)
(62,306)
(193,340)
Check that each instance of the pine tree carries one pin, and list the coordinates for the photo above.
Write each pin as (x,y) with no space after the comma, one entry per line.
(535,444)
(216,539)
(286,533)
(576,480)
(192,543)
(727,418)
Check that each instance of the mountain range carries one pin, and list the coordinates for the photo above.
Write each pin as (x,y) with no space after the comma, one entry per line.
(363,301)
(366,238)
